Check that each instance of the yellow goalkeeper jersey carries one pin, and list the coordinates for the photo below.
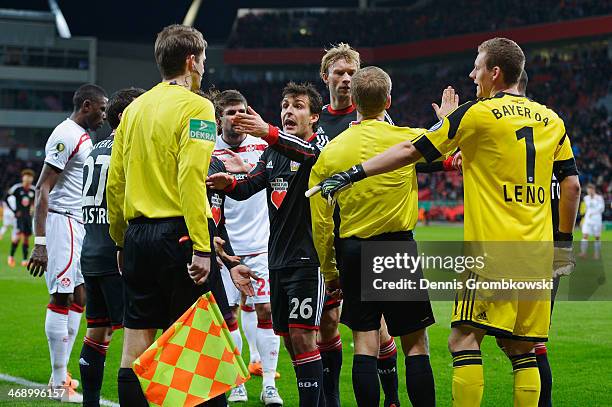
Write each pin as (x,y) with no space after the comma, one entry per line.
(160,161)
(510,145)
(380,204)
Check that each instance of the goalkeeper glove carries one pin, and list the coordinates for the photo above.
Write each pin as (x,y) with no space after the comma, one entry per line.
(564,260)
(340,181)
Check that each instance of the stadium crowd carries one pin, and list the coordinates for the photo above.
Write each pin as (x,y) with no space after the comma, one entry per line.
(306,28)
(589,123)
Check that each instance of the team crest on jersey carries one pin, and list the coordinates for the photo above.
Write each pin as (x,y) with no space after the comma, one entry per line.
(65,282)
(215,207)
(436,126)
(269,165)
(294,166)
(279,191)
(203,130)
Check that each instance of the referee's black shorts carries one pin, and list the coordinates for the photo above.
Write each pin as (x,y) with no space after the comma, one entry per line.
(402,317)
(158,289)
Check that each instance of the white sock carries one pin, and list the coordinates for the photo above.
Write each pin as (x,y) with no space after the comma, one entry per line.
(56,328)
(597,248)
(248,320)
(584,245)
(237,338)
(268,344)
(74,321)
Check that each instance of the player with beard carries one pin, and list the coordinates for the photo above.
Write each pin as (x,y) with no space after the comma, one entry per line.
(296,284)
(58,215)
(248,228)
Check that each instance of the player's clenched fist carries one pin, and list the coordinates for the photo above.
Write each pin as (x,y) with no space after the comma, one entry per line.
(331,186)
(37,265)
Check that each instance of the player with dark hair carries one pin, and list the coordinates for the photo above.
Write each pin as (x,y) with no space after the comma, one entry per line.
(59,216)
(248,227)
(533,141)
(20,201)
(103,282)
(296,285)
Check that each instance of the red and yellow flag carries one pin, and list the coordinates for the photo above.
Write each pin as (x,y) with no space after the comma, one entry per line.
(193,361)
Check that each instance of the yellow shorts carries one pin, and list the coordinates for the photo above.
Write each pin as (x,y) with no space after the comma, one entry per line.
(514,314)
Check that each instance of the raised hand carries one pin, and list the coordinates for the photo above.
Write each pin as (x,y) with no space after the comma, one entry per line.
(250,123)
(450,101)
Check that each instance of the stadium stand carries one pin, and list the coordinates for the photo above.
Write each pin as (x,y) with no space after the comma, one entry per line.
(375,27)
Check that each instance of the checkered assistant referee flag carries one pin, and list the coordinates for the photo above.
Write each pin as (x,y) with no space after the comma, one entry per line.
(193,361)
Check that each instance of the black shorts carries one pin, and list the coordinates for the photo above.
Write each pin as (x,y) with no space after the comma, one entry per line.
(104,301)
(402,317)
(24,224)
(158,289)
(297,296)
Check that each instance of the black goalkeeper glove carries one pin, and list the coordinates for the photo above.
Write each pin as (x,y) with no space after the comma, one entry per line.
(340,181)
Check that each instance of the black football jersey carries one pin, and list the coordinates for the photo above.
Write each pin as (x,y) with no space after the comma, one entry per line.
(24,200)
(216,200)
(333,122)
(99,254)
(283,170)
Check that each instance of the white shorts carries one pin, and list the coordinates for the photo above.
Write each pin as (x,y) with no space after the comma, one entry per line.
(64,242)
(9,220)
(592,228)
(259,265)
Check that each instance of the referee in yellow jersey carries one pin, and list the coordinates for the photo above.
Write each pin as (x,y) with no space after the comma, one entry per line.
(379,209)
(157,204)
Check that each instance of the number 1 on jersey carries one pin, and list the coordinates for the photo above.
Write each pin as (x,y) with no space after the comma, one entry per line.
(527,134)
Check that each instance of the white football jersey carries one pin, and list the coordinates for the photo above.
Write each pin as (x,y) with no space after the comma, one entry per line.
(594,208)
(67,149)
(247,221)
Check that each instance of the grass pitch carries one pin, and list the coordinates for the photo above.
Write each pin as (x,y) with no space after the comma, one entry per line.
(580,347)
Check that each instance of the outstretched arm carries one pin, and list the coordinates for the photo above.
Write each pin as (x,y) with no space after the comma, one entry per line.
(288,145)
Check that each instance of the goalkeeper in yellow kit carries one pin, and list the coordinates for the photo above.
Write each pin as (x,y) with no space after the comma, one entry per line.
(511,146)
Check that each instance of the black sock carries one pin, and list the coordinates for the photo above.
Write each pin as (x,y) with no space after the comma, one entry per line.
(545,377)
(387,373)
(420,381)
(130,392)
(91,365)
(332,364)
(365,381)
(13,248)
(309,377)
(24,250)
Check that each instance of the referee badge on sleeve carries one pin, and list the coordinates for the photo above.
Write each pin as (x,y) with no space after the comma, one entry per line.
(203,130)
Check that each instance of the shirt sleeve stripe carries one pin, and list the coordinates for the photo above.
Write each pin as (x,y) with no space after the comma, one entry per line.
(427,149)
(456,116)
(565,168)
